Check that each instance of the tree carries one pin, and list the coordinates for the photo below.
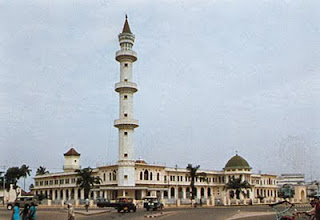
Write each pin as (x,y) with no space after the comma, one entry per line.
(193,175)
(86,181)
(25,172)
(41,171)
(13,174)
(237,185)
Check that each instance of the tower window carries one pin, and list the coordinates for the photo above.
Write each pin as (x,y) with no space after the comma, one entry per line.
(125,155)
(125,80)
(125,115)
(125,96)
(125,133)
(126,176)
(126,65)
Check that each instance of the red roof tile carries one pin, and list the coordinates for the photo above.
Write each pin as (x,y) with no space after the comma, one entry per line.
(72,152)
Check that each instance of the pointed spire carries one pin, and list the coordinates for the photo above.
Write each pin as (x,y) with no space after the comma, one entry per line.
(126,28)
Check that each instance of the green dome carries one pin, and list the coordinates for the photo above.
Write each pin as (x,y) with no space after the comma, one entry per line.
(237,162)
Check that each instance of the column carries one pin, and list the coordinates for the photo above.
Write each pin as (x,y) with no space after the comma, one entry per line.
(184,193)
(82,194)
(64,194)
(53,194)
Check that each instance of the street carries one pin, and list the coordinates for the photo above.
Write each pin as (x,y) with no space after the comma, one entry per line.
(218,213)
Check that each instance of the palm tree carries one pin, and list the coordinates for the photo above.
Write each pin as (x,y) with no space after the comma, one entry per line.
(24,172)
(86,181)
(41,171)
(193,175)
(238,185)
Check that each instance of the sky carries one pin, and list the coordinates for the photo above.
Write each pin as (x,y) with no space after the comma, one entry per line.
(215,78)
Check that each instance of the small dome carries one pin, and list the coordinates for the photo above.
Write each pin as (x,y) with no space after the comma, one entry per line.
(237,162)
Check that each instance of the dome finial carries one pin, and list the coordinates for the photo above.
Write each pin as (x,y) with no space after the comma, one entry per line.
(126,16)
(236,152)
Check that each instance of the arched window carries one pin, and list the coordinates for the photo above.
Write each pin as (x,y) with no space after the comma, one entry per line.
(209,192)
(104,177)
(114,175)
(141,175)
(110,176)
(146,175)
(180,193)
(188,195)
(202,192)
(158,176)
(150,175)
(172,192)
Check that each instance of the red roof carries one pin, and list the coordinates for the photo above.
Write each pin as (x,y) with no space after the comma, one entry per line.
(72,152)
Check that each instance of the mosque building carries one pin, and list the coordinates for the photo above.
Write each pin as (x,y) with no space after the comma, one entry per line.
(136,178)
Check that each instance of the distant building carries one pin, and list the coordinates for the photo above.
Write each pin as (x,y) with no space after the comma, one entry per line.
(136,178)
(291,179)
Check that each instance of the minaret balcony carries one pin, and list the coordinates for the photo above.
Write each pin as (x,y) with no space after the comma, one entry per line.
(126,123)
(126,86)
(126,55)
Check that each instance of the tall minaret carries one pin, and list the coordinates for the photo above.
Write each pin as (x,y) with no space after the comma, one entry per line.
(126,123)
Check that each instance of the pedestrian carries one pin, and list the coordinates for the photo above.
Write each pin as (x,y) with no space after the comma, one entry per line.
(16,212)
(70,212)
(25,212)
(87,204)
(32,212)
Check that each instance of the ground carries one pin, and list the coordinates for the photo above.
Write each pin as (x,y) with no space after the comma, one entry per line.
(218,213)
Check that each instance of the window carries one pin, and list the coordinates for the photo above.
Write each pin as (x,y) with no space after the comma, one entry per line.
(125,96)
(67,181)
(158,176)
(126,65)
(146,175)
(104,177)
(125,155)
(62,181)
(125,133)
(125,115)
(141,175)
(75,161)
(125,176)
(51,182)
(150,175)
(56,182)
(114,175)
(73,180)
(125,80)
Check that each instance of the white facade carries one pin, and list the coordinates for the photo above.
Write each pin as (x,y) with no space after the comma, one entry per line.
(136,178)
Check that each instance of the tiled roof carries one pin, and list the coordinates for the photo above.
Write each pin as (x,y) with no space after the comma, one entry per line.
(72,152)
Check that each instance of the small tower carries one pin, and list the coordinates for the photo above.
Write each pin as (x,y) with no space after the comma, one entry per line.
(71,160)
(126,122)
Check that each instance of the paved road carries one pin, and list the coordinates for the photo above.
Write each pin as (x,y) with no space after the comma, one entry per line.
(216,213)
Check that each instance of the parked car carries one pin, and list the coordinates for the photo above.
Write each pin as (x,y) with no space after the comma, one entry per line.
(152,202)
(22,200)
(101,202)
(125,204)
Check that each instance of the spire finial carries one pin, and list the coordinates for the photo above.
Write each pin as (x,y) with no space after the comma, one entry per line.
(126,28)
(236,152)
